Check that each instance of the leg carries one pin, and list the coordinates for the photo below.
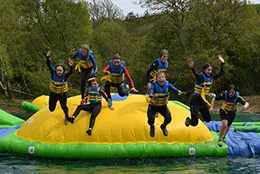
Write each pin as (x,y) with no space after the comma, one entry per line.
(165,112)
(194,111)
(95,111)
(83,78)
(107,89)
(223,129)
(122,91)
(231,117)
(52,101)
(63,103)
(85,107)
(205,113)
(150,114)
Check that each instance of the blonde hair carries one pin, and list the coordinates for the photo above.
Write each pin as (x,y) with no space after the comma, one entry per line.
(160,73)
(164,51)
(85,46)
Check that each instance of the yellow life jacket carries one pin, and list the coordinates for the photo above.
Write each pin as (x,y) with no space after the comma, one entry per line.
(230,104)
(58,87)
(84,64)
(203,89)
(161,94)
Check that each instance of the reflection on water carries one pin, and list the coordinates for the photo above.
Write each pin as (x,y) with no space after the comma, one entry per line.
(20,164)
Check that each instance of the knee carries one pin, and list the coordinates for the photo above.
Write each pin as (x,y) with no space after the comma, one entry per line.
(224,123)
(194,122)
(51,108)
(207,120)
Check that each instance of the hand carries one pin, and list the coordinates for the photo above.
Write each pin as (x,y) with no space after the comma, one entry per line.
(107,72)
(111,108)
(70,62)
(48,54)
(246,105)
(211,110)
(182,93)
(190,63)
(73,51)
(149,85)
(221,59)
(133,90)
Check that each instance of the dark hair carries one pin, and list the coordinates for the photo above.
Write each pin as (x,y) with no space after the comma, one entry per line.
(117,56)
(230,87)
(205,66)
(93,79)
(63,67)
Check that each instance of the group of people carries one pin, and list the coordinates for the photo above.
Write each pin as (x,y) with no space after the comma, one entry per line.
(91,99)
(157,86)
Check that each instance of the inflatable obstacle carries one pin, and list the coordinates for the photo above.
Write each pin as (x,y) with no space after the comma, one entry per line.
(122,133)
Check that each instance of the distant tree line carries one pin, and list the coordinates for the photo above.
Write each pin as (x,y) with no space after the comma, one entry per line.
(195,29)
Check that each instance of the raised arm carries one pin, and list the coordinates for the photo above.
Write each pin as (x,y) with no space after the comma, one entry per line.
(70,70)
(222,68)
(199,78)
(48,62)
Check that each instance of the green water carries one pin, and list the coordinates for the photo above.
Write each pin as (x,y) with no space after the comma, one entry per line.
(19,164)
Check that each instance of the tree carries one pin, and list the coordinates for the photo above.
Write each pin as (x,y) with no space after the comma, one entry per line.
(104,9)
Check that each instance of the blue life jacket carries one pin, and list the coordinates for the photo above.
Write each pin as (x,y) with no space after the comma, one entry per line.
(94,95)
(161,94)
(230,104)
(58,84)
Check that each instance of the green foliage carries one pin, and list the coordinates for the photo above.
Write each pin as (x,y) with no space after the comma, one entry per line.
(200,30)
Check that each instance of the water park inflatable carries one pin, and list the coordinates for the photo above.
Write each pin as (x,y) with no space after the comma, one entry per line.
(122,133)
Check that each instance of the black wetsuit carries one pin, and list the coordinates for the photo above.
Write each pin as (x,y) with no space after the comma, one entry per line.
(54,97)
(228,115)
(197,104)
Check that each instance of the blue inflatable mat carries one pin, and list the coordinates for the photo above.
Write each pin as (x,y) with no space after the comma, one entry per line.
(6,131)
(239,143)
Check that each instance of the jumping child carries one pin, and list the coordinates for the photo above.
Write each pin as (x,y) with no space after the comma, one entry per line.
(228,110)
(203,83)
(115,71)
(94,96)
(58,86)
(159,94)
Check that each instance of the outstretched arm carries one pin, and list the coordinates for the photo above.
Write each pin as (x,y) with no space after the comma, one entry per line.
(103,93)
(130,80)
(176,90)
(106,69)
(243,102)
(92,59)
